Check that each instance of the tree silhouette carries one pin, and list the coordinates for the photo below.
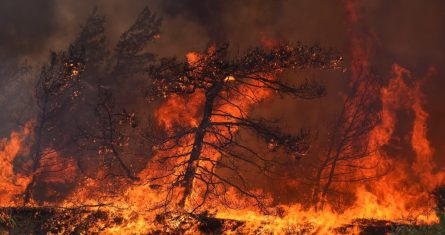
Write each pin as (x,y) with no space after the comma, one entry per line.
(106,136)
(109,132)
(129,52)
(58,86)
(192,155)
(348,142)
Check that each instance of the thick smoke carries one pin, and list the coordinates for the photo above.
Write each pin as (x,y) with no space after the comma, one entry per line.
(25,26)
(216,16)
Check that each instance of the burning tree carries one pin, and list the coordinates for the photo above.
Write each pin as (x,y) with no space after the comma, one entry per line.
(66,87)
(194,155)
(348,156)
(58,86)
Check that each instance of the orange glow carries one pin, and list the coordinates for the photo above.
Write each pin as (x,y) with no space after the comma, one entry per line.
(12,185)
(395,196)
(229,78)
(179,110)
(399,188)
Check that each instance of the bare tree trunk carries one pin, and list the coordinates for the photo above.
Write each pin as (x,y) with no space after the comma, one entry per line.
(316,197)
(317,188)
(320,192)
(326,187)
(193,161)
(36,154)
(123,165)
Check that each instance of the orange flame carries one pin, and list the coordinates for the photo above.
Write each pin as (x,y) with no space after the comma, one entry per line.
(11,183)
(402,194)
(405,191)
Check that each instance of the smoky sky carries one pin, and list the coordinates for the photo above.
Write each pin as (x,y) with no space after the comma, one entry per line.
(25,26)
(410,31)
(212,15)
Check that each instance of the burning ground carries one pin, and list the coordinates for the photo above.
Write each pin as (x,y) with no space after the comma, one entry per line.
(187,119)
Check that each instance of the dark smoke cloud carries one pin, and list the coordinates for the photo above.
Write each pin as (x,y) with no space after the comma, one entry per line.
(215,16)
(208,13)
(25,26)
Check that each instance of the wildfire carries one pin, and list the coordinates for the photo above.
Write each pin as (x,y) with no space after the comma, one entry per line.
(392,197)
(194,182)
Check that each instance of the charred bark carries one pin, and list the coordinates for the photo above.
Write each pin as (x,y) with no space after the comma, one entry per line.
(193,162)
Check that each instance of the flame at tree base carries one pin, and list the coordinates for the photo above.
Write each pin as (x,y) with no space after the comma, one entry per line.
(105,220)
